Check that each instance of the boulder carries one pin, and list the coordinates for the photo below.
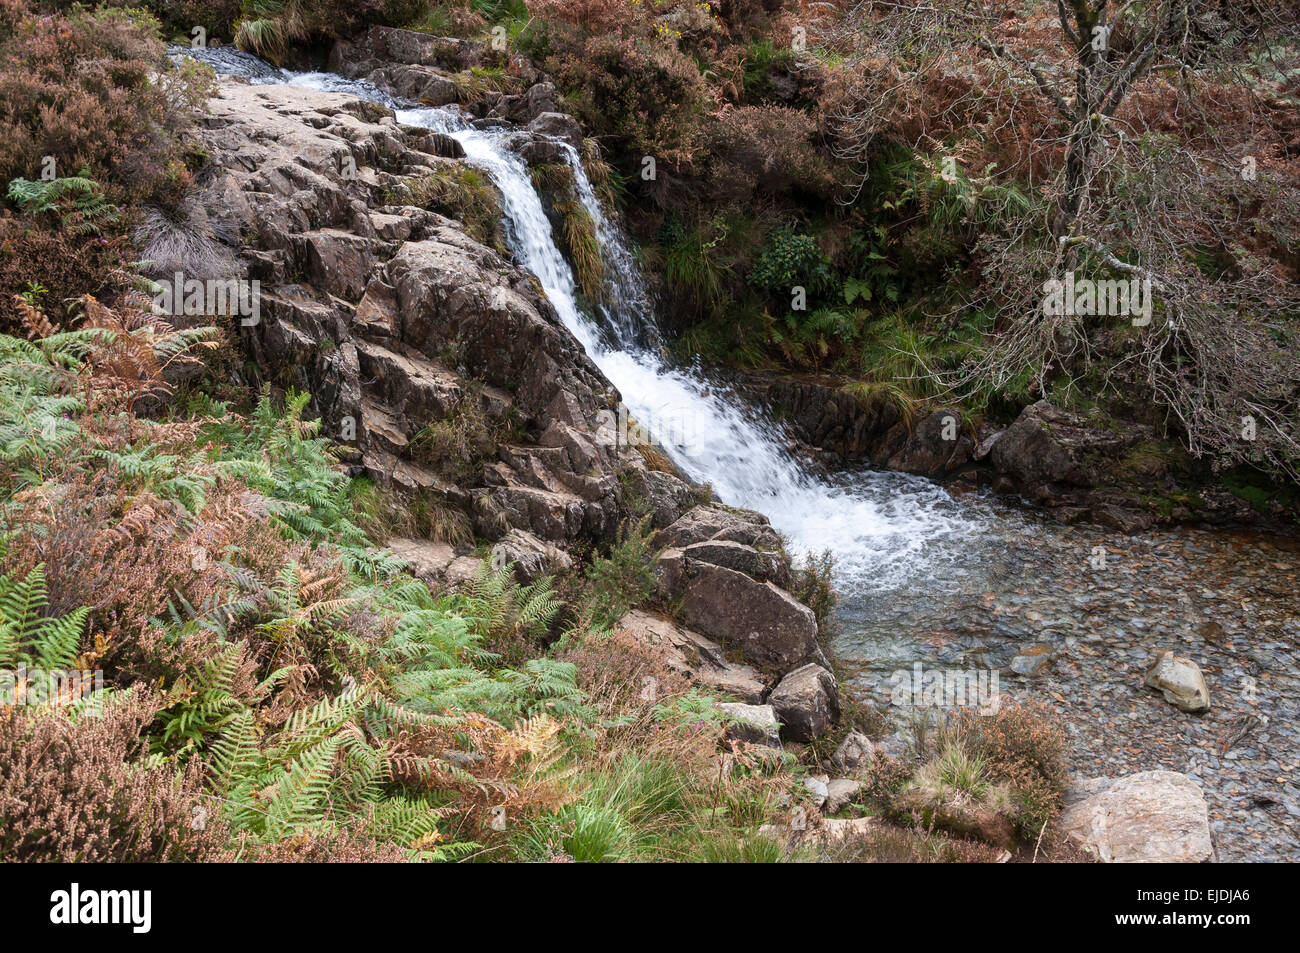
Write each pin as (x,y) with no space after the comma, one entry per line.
(934,447)
(854,754)
(1149,817)
(771,628)
(840,793)
(1044,445)
(807,702)
(713,521)
(555,125)
(435,564)
(531,557)
(817,787)
(1181,682)
(763,566)
(667,495)
(753,724)
(698,658)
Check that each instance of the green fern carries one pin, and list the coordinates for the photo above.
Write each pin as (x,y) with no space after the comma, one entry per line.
(29,638)
(77,200)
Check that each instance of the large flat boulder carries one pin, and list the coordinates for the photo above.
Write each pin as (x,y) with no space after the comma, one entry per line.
(1153,817)
(698,658)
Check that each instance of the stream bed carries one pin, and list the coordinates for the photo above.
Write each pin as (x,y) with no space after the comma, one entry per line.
(1083,611)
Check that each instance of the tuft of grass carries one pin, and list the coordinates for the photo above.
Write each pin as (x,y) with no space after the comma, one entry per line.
(578,235)
(465,194)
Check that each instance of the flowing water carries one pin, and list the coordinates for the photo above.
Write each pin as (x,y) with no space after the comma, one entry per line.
(956,583)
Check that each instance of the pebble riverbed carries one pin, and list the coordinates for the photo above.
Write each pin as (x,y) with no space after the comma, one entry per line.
(1082,612)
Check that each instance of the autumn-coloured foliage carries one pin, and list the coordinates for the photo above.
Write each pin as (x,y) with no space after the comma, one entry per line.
(78,789)
(91,89)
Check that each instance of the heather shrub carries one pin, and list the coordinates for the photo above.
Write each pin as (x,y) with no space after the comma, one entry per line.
(768,149)
(53,268)
(1023,746)
(646,97)
(82,789)
(92,89)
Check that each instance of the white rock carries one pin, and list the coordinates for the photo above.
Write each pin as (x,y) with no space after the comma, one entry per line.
(1180,681)
(1149,817)
(755,724)
(840,792)
(818,790)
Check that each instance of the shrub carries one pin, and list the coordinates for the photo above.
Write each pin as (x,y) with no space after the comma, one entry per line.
(768,149)
(789,259)
(1022,745)
(813,585)
(83,790)
(645,97)
(92,89)
(60,265)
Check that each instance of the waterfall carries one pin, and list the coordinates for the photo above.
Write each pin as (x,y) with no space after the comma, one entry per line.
(884,529)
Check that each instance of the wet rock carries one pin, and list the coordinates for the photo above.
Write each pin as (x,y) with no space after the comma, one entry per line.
(1124,519)
(807,702)
(1180,681)
(771,628)
(556,125)
(933,447)
(1032,661)
(1149,817)
(753,724)
(698,658)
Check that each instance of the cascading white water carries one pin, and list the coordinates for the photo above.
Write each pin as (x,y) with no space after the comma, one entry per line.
(883,528)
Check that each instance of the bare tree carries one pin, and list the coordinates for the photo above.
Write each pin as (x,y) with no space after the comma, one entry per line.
(1158,141)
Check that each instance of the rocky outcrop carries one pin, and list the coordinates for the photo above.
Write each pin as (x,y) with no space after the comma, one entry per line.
(451,378)
(701,660)
(1149,817)
(767,625)
(530,557)
(438,565)
(1079,468)
(395,320)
